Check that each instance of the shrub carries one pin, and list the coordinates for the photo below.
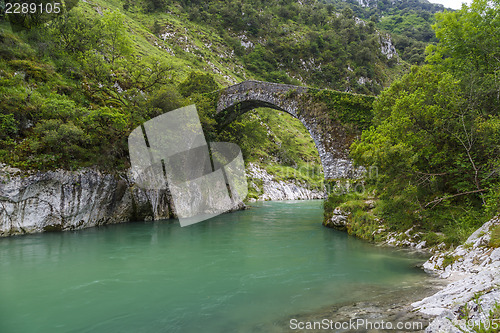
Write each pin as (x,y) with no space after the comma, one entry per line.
(495,237)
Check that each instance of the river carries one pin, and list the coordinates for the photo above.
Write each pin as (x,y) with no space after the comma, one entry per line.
(248,271)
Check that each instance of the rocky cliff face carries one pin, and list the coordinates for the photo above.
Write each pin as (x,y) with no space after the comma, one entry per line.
(272,189)
(70,200)
(65,200)
(387,47)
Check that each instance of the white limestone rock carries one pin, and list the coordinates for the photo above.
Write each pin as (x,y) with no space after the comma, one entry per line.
(338,219)
(473,283)
(70,200)
(279,190)
(386,47)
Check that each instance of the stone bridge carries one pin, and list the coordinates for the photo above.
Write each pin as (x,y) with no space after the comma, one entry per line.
(333,118)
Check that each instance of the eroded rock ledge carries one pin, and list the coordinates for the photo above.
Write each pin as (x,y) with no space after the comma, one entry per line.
(66,200)
(272,189)
(69,200)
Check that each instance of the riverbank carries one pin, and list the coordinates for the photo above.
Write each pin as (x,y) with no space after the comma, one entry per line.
(471,298)
(380,311)
(60,200)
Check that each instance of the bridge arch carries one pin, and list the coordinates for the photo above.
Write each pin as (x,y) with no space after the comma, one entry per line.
(331,138)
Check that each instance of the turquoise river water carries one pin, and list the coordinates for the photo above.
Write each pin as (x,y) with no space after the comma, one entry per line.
(238,272)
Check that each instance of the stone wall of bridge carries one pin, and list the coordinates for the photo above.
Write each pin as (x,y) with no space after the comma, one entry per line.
(333,119)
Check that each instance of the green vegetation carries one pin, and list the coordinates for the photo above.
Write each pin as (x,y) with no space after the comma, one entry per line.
(495,237)
(72,90)
(296,42)
(278,143)
(344,107)
(409,22)
(492,318)
(353,198)
(488,325)
(436,138)
(63,101)
(23,16)
(74,87)
(412,32)
(449,260)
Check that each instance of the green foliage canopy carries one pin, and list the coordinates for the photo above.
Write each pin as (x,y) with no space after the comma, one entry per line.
(435,139)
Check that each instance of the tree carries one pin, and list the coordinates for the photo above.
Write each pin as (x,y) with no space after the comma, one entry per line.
(435,137)
(155,5)
(8,126)
(426,138)
(116,42)
(76,32)
(469,47)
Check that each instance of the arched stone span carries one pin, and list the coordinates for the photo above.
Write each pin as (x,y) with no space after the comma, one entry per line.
(331,136)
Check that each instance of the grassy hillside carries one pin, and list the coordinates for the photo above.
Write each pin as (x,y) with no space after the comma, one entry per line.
(89,76)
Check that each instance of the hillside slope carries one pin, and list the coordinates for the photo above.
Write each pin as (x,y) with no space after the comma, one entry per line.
(408,21)
(94,73)
(91,75)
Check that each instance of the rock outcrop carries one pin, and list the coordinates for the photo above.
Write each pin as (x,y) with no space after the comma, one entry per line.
(272,189)
(338,220)
(473,272)
(65,200)
(386,47)
(69,200)
(409,238)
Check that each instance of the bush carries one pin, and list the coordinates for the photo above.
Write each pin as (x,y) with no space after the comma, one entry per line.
(495,237)
(197,83)
(8,126)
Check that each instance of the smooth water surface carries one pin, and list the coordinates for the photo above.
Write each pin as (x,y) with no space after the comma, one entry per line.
(237,272)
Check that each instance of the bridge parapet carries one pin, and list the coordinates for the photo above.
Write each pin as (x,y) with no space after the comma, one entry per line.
(256,91)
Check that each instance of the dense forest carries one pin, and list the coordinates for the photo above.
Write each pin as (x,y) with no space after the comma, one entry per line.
(436,136)
(409,23)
